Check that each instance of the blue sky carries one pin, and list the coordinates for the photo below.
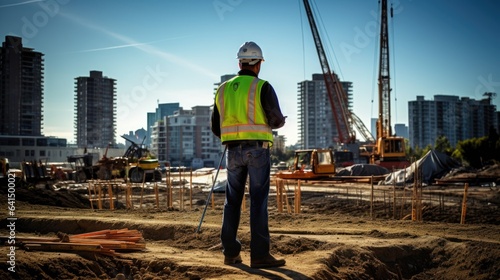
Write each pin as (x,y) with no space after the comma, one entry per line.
(174,51)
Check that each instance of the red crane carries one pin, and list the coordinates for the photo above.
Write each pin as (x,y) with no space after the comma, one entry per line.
(387,150)
(336,93)
(343,117)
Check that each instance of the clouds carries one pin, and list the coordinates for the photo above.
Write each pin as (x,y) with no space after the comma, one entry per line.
(19,4)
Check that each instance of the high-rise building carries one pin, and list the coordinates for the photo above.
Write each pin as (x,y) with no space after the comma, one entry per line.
(400,129)
(317,128)
(185,138)
(497,121)
(179,132)
(373,126)
(207,145)
(95,111)
(21,89)
(163,110)
(455,118)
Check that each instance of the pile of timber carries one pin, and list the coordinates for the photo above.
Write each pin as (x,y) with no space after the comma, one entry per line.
(107,242)
(471,179)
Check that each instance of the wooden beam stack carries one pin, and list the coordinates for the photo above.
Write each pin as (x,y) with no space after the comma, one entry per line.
(107,242)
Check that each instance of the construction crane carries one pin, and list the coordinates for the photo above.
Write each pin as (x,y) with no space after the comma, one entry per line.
(336,94)
(389,150)
(344,119)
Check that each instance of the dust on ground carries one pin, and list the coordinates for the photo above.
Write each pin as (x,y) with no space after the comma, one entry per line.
(338,234)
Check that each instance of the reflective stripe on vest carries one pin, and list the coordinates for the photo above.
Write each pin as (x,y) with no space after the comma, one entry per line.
(251,129)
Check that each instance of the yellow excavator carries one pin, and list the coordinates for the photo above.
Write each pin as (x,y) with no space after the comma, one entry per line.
(389,150)
(141,162)
(137,164)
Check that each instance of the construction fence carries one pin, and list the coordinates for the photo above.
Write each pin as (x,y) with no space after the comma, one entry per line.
(291,196)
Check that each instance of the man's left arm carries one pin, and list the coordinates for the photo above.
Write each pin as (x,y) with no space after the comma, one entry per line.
(215,121)
(271,106)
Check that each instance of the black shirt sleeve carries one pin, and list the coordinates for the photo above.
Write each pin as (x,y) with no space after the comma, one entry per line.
(215,121)
(270,104)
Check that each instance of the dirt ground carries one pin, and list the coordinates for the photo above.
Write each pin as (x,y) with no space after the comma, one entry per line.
(338,234)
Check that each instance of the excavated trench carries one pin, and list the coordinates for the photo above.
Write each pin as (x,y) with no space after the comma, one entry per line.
(338,256)
(332,238)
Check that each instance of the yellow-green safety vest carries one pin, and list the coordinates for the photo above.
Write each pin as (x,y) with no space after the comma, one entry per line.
(241,114)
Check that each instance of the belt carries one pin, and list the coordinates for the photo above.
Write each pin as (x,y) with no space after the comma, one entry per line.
(248,143)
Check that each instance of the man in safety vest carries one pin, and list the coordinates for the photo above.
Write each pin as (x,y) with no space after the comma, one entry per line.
(246,110)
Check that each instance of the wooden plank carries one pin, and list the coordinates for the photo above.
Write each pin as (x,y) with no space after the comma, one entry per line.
(103,242)
(69,247)
(59,246)
(93,233)
(33,239)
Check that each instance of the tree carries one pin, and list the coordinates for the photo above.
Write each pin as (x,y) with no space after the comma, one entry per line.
(417,153)
(278,156)
(478,152)
(443,145)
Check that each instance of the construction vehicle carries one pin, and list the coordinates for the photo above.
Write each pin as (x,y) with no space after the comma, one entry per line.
(35,173)
(142,165)
(343,158)
(137,164)
(345,120)
(82,167)
(389,150)
(310,164)
(319,163)
(109,168)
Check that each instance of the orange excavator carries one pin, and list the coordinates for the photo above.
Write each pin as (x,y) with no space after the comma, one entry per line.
(310,164)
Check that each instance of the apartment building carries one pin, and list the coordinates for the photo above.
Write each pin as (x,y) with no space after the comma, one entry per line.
(185,138)
(447,115)
(161,111)
(21,89)
(95,111)
(316,122)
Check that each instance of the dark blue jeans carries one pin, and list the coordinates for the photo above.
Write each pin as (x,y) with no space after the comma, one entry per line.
(255,162)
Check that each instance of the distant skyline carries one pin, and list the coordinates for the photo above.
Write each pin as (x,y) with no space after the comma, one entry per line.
(174,51)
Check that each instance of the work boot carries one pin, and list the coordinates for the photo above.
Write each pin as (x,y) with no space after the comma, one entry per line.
(267,261)
(232,260)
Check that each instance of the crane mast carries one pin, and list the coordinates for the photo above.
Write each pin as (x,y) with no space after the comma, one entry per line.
(336,94)
(389,150)
(384,87)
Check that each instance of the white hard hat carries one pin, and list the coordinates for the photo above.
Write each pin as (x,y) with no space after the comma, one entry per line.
(250,53)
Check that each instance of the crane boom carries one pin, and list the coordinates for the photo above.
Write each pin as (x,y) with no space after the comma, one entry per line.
(384,87)
(360,126)
(336,93)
